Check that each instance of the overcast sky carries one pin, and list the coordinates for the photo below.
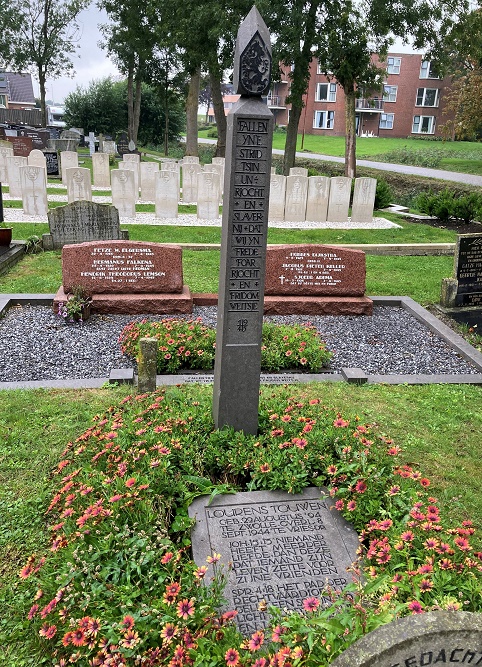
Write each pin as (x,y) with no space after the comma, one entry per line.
(91,63)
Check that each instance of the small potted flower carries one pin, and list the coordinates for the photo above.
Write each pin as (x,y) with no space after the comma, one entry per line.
(5,235)
(77,306)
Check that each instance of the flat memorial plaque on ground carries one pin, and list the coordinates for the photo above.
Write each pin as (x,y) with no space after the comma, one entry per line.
(283,548)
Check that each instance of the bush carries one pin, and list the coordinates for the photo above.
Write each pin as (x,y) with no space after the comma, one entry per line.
(446,205)
(213,133)
(383,194)
(190,344)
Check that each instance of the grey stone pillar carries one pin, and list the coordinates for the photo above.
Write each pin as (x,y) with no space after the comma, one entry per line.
(244,234)
(147,365)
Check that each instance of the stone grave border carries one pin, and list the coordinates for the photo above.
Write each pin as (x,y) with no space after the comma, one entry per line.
(351,375)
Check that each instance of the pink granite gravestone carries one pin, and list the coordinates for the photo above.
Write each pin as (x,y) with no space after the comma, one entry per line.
(315,280)
(126,276)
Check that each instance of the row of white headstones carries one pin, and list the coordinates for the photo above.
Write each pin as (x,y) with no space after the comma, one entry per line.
(296,197)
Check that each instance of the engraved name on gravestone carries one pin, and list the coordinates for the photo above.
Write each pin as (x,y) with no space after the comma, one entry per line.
(52,163)
(283,548)
(434,638)
(123,267)
(82,221)
(244,233)
(468,270)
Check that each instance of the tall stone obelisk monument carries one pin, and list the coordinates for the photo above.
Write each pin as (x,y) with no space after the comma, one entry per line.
(244,233)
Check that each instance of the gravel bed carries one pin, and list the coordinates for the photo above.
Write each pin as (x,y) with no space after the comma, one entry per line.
(37,345)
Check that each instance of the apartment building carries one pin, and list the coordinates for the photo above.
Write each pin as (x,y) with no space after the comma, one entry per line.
(412,102)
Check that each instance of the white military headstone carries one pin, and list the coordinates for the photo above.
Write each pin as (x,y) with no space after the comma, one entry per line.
(190,159)
(298,171)
(14,162)
(5,151)
(296,196)
(37,159)
(277,195)
(190,173)
(101,170)
(123,192)
(148,180)
(340,190)
(208,195)
(78,184)
(68,160)
(363,199)
(34,190)
(318,195)
(132,157)
(167,194)
(134,168)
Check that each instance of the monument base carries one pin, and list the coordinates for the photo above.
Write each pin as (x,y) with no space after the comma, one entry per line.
(137,304)
(318,305)
(303,305)
(470,316)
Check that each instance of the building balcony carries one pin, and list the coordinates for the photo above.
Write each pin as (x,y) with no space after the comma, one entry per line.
(369,105)
(276,102)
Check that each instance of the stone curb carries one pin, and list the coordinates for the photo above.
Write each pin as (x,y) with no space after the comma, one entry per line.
(351,375)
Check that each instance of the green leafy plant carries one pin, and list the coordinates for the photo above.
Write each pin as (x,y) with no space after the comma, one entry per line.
(191,344)
(33,245)
(74,308)
(383,194)
(447,204)
(117,583)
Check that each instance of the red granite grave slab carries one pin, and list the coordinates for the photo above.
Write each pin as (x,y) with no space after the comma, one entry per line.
(122,267)
(322,305)
(137,304)
(296,270)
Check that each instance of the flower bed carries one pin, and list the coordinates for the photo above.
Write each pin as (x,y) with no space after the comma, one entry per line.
(117,585)
(189,344)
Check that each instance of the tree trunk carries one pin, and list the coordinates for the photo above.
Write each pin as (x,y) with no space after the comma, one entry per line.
(43,108)
(192,103)
(291,138)
(166,112)
(137,108)
(218,106)
(130,103)
(350,132)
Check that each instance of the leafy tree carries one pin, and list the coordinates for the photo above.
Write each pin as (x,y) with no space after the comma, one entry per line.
(102,107)
(130,40)
(41,37)
(99,107)
(460,54)
(343,35)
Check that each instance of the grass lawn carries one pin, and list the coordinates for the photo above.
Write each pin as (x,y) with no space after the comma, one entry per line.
(466,155)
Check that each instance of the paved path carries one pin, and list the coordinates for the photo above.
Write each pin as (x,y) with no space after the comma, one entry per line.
(386,166)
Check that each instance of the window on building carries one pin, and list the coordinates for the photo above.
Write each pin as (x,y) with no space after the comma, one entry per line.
(390,93)
(427,71)
(326,92)
(3,100)
(423,124)
(393,65)
(386,121)
(324,120)
(427,97)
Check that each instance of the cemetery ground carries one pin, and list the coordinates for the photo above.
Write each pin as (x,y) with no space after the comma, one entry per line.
(104,498)
(118,572)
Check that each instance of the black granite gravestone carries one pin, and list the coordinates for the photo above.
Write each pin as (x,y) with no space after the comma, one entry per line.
(244,234)
(282,548)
